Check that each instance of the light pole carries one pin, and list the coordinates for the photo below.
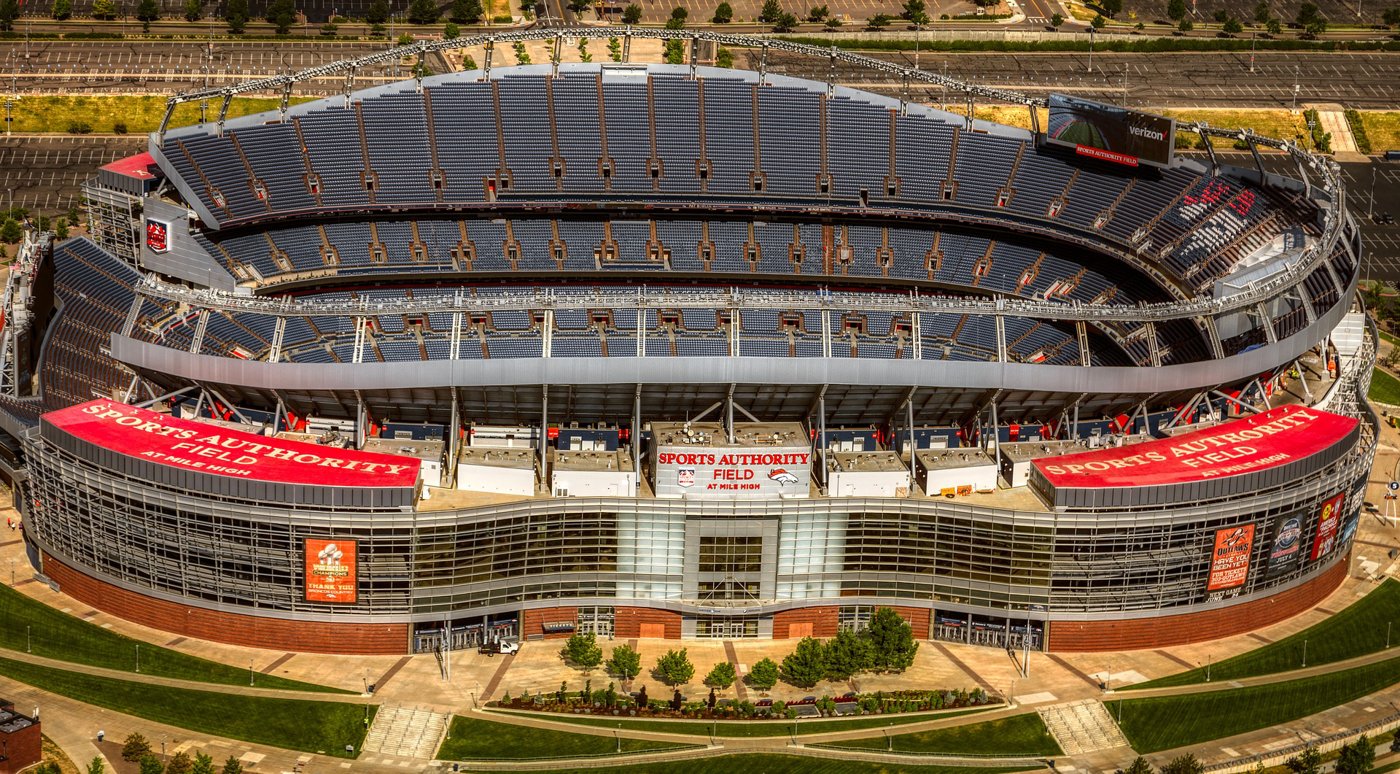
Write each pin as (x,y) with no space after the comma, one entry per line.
(1208,660)
(138,658)
(1305,653)
(1370,210)
(1387,634)
(250,671)
(1091,48)
(1253,38)
(27,648)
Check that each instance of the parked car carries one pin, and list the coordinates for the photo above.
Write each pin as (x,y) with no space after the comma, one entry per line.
(499,646)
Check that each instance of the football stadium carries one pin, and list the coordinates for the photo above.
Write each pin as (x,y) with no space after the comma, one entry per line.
(673,350)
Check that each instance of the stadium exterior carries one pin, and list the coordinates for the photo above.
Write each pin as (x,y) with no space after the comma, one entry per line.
(675,268)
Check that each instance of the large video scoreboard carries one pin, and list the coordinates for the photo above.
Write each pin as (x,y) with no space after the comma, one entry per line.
(1110,133)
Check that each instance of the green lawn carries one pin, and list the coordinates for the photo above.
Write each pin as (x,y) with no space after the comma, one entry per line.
(473,739)
(788,764)
(310,726)
(1017,735)
(1358,629)
(1166,722)
(29,625)
(1384,388)
(759,727)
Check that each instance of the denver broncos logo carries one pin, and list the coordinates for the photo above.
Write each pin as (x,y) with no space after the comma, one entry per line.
(782,476)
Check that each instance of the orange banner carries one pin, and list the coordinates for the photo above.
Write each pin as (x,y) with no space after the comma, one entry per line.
(330,571)
(1229,563)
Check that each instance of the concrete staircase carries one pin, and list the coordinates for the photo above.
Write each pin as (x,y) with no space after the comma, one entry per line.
(406,732)
(1082,726)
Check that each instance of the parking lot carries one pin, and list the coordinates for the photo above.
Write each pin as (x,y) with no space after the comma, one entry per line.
(43,174)
(1380,242)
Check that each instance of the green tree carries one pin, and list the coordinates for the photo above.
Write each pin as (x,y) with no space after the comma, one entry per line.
(134,747)
(179,763)
(423,12)
(378,12)
(1262,12)
(61,10)
(805,666)
(1186,25)
(1357,757)
(1221,15)
(912,8)
(763,675)
(878,21)
(771,10)
(235,16)
(832,22)
(1309,761)
(580,6)
(1391,17)
(674,668)
(632,14)
(194,10)
(465,11)
(581,650)
(1098,21)
(95,766)
(232,766)
(1233,26)
(786,22)
(721,676)
(625,662)
(847,654)
(105,10)
(1176,10)
(724,14)
(1111,7)
(1274,26)
(203,764)
(818,13)
(281,14)
(9,11)
(1315,27)
(1056,20)
(681,15)
(147,11)
(1138,766)
(1184,764)
(451,31)
(150,764)
(1308,13)
(891,638)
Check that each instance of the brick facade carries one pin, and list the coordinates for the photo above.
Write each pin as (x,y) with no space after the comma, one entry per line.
(532,624)
(23,746)
(1140,634)
(630,622)
(822,621)
(232,628)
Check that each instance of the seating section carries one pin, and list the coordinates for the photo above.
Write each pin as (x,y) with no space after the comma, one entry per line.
(95,292)
(723,137)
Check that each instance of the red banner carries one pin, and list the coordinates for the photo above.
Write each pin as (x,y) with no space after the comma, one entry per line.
(202,448)
(330,571)
(1328,519)
(1229,562)
(1275,437)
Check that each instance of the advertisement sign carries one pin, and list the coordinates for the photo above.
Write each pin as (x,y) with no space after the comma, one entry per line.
(733,472)
(1269,439)
(157,235)
(330,571)
(1229,562)
(1110,133)
(1328,520)
(219,451)
(1284,551)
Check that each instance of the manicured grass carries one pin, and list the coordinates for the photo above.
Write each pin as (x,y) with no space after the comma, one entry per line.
(788,764)
(1355,631)
(1166,722)
(1384,388)
(309,726)
(473,739)
(1014,736)
(756,728)
(1383,128)
(54,113)
(28,625)
(1270,123)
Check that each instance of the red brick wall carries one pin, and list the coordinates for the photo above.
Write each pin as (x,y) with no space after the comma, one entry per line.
(233,628)
(1139,634)
(789,623)
(532,625)
(24,747)
(627,622)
